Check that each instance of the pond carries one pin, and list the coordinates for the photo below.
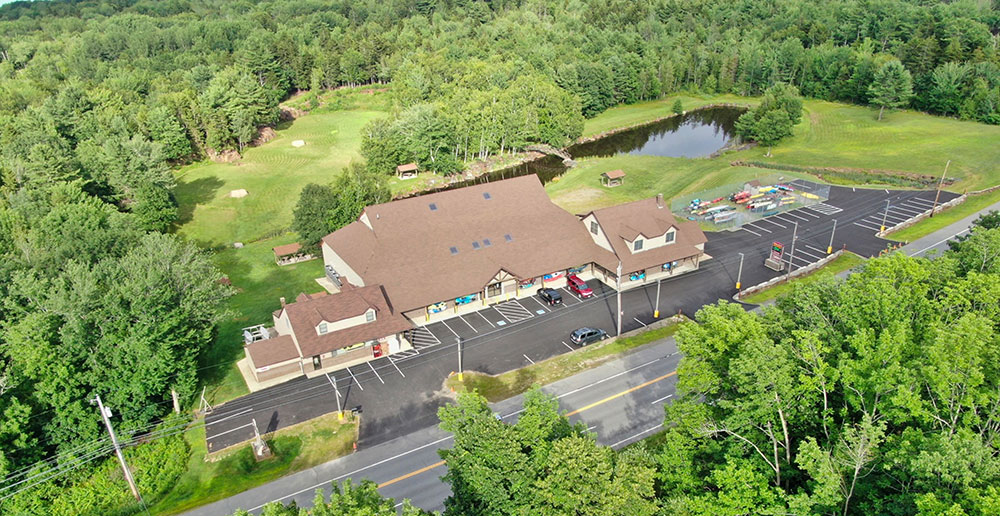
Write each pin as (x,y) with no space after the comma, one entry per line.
(695,134)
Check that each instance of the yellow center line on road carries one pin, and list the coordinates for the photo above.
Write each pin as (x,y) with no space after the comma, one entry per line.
(573,413)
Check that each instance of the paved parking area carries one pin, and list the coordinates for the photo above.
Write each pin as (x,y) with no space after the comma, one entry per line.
(402,393)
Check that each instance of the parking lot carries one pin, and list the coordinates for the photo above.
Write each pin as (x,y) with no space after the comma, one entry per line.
(401,393)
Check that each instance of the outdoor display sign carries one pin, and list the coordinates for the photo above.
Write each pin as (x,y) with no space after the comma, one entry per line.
(777,249)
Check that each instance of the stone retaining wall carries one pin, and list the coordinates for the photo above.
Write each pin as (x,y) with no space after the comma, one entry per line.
(921,216)
(785,277)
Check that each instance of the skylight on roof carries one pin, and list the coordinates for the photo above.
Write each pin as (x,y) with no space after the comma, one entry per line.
(433,207)
(486,242)
(475,245)
(486,195)
(508,238)
(453,249)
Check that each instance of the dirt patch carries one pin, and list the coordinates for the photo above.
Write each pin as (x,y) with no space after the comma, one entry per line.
(264,135)
(289,113)
(580,200)
(227,156)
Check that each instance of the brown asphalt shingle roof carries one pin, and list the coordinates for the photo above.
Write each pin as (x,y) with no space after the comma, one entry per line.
(646,218)
(408,248)
(287,249)
(308,311)
(272,351)
(409,167)
(614,174)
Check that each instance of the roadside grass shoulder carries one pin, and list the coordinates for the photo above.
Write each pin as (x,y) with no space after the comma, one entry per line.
(259,283)
(840,264)
(947,217)
(512,383)
(209,478)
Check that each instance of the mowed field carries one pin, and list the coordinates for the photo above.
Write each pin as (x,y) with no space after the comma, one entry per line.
(830,135)
(273,174)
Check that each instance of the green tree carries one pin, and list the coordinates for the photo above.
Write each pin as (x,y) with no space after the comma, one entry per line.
(165,129)
(891,87)
(677,108)
(355,189)
(312,212)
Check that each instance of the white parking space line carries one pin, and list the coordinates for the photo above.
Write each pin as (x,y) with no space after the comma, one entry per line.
(668,396)
(449,328)
(800,211)
(539,303)
(526,357)
(485,319)
(779,217)
(567,345)
(570,294)
(799,258)
(393,362)
(640,322)
(467,323)
(501,314)
(773,222)
(876,228)
(803,185)
(908,209)
(240,413)
(896,218)
(744,228)
(376,372)
(917,201)
(790,214)
(758,228)
(821,251)
(228,431)
(356,382)
(807,253)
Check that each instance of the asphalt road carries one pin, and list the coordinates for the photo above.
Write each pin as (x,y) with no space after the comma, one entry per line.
(621,401)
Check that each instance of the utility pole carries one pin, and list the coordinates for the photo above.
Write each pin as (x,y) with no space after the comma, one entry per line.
(105,414)
(739,275)
(656,311)
(829,248)
(886,215)
(791,252)
(941,182)
(177,403)
(340,411)
(458,346)
(618,283)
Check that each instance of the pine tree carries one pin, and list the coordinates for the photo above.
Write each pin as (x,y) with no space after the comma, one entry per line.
(892,87)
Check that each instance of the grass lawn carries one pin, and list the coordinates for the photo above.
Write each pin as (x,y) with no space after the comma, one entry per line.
(295,448)
(260,283)
(840,264)
(273,174)
(927,226)
(512,383)
(627,115)
(580,190)
(830,135)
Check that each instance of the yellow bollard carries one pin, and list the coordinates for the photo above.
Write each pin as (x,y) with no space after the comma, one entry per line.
(829,249)
(461,377)
(340,416)
(656,314)
(737,285)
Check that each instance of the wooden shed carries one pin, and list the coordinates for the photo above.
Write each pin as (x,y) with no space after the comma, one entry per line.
(613,178)
(407,171)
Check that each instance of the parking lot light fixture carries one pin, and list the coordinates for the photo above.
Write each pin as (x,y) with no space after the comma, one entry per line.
(829,248)
(656,311)
(458,344)
(884,216)
(739,275)
(618,283)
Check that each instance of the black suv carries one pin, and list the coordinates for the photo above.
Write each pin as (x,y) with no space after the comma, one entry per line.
(584,336)
(550,296)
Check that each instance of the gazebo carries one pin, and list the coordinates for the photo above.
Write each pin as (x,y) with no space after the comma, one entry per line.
(407,171)
(613,178)
(289,254)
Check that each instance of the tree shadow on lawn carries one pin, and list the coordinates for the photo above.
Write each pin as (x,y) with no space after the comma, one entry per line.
(193,194)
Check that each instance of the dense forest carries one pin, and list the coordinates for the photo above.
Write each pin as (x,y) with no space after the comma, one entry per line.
(99,100)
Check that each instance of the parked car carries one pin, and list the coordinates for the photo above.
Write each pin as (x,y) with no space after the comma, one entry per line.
(550,296)
(579,286)
(586,335)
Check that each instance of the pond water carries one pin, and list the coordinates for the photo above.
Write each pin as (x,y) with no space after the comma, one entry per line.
(695,134)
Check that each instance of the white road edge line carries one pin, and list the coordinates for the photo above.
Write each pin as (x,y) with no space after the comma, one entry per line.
(355,378)
(240,413)
(661,399)
(351,474)
(376,372)
(646,431)
(939,243)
